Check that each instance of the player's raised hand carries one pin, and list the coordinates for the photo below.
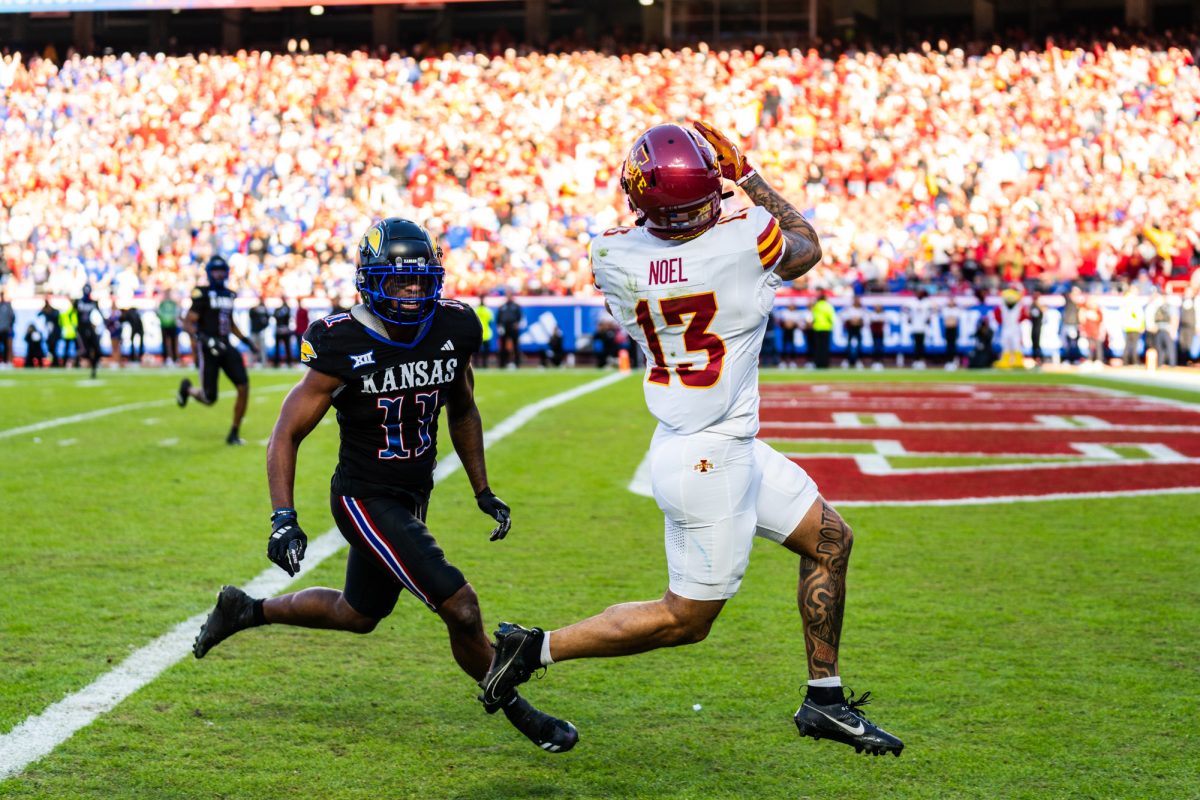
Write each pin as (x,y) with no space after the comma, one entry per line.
(734,166)
(287,543)
(498,510)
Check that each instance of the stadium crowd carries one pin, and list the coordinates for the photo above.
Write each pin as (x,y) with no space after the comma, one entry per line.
(926,168)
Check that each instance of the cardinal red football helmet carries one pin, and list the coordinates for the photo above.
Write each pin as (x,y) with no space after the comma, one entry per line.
(673,182)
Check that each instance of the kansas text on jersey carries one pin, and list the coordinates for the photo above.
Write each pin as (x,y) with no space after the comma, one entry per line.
(215,308)
(391,394)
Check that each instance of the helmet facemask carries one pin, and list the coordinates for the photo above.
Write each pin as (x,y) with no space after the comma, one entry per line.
(402,295)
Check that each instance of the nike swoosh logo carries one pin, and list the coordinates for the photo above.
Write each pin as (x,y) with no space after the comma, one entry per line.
(856,731)
(489,691)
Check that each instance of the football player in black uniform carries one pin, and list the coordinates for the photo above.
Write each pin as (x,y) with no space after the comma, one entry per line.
(87,312)
(209,323)
(387,366)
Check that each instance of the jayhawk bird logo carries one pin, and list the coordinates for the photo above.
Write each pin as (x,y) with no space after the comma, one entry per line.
(374,240)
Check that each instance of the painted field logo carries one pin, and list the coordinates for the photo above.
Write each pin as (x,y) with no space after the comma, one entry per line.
(955,443)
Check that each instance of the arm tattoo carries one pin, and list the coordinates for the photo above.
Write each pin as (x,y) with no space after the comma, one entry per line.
(822,594)
(803,245)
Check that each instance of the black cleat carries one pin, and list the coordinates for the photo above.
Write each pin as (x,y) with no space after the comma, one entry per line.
(234,612)
(843,722)
(181,396)
(233,438)
(549,733)
(518,655)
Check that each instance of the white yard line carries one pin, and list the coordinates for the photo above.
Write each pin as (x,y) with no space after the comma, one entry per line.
(1032,498)
(38,735)
(104,412)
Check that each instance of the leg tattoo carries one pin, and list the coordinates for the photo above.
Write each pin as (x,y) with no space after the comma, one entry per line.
(822,593)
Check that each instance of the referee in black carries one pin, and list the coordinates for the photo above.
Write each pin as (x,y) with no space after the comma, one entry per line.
(209,322)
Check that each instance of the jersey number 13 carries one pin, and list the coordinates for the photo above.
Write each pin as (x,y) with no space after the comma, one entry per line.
(696,338)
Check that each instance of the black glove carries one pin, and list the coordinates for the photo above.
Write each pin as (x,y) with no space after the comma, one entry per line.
(287,543)
(498,510)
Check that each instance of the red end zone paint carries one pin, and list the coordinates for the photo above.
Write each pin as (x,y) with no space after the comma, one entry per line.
(989,419)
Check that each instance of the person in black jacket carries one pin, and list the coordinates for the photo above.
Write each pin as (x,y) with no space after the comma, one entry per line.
(508,327)
(283,332)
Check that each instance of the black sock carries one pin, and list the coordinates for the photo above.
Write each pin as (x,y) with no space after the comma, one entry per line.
(825,695)
(233,432)
(259,617)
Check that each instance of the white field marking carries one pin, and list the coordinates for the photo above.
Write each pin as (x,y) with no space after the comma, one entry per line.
(7,384)
(1053,421)
(879,465)
(66,442)
(889,447)
(1016,498)
(1084,421)
(104,412)
(1098,451)
(886,420)
(844,419)
(641,478)
(168,442)
(37,736)
(1187,381)
(981,426)
(90,383)
(873,465)
(1161,452)
(84,417)
(151,421)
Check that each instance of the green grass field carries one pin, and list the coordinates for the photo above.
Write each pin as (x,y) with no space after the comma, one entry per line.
(1030,650)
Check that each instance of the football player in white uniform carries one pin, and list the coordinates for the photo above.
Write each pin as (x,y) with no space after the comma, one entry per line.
(694,289)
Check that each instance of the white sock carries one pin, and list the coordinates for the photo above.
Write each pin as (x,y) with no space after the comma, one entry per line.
(836,680)
(546,659)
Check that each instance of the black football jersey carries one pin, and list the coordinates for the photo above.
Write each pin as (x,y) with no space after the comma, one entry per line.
(83,313)
(215,307)
(392,394)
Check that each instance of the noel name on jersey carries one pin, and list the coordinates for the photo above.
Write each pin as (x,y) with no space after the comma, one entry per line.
(411,375)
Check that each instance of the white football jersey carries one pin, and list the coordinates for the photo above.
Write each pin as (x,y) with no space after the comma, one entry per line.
(698,309)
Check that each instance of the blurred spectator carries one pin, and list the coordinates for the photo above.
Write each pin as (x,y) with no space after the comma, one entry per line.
(260,320)
(1091,327)
(508,329)
(604,341)
(823,317)
(35,352)
(8,318)
(1160,329)
(1070,324)
(283,333)
(50,324)
(69,322)
(300,323)
(1187,326)
(852,322)
(982,356)
(168,322)
(485,316)
(554,352)
(1133,323)
(789,325)
(1037,317)
(951,317)
(878,323)
(920,314)
(768,355)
